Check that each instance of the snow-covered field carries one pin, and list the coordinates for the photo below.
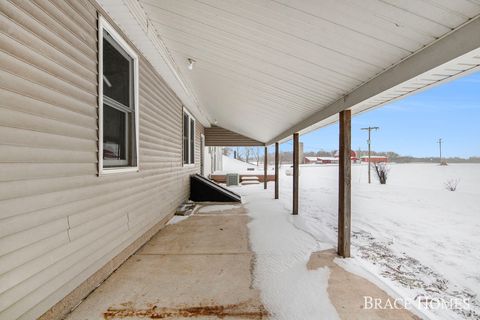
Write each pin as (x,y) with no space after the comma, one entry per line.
(238,166)
(416,236)
(412,237)
(282,250)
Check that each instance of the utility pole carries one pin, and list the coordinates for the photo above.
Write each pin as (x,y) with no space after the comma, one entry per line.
(369,149)
(440,147)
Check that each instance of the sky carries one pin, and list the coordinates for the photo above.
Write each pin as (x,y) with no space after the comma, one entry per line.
(413,125)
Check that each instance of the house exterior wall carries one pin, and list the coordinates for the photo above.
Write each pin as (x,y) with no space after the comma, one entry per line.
(213,160)
(59,221)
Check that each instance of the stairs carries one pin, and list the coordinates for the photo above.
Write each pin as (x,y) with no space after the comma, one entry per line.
(247,180)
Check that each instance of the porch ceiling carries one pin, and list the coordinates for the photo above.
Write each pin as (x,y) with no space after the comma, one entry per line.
(266,68)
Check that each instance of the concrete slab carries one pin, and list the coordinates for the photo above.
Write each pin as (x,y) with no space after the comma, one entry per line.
(161,284)
(198,268)
(202,267)
(221,208)
(202,234)
(347,291)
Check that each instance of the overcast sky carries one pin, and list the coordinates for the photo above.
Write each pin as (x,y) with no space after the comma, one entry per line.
(412,126)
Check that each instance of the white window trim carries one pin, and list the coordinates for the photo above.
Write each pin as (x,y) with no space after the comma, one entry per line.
(189,137)
(103,24)
(202,154)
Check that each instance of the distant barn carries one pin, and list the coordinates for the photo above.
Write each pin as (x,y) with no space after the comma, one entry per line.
(374,159)
(329,160)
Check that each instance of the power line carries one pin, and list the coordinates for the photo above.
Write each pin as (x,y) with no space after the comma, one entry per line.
(440,147)
(369,150)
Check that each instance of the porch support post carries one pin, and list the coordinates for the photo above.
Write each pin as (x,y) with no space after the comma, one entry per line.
(265,167)
(344,188)
(277,161)
(296,162)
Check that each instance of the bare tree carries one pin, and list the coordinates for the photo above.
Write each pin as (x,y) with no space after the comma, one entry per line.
(382,171)
(451,184)
(256,154)
(240,153)
(247,155)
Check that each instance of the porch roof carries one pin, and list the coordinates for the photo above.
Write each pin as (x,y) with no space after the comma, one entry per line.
(266,69)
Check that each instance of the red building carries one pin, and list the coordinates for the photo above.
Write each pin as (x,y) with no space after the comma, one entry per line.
(353,156)
(374,159)
(329,160)
(310,160)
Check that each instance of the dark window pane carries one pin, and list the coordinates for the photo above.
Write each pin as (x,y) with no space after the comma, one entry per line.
(116,73)
(192,141)
(114,132)
(185,138)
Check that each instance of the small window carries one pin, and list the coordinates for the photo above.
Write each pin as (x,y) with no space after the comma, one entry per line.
(188,139)
(118,97)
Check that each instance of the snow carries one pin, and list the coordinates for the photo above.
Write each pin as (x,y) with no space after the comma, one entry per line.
(289,290)
(329,158)
(219,207)
(413,234)
(231,165)
(177,219)
(411,237)
(356,266)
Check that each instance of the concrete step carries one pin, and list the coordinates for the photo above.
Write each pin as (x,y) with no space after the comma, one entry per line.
(250,182)
(250,178)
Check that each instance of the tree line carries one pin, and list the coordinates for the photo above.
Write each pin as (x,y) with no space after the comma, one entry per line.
(255,155)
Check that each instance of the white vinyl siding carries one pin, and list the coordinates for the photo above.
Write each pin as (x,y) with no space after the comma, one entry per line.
(59,221)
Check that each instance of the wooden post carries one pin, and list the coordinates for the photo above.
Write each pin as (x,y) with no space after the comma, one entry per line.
(265,167)
(295,173)
(277,161)
(344,187)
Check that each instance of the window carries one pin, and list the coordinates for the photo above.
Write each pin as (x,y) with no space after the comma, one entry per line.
(188,138)
(118,102)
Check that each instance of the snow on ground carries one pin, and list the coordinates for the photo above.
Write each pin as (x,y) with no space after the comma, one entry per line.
(416,236)
(217,207)
(419,239)
(177,219)
(289,290)
(237,166)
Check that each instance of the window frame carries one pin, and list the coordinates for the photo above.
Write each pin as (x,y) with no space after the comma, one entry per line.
(191,139)
(104,25)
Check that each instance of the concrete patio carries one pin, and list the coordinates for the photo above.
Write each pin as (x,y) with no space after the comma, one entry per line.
(199,267)
(202,267)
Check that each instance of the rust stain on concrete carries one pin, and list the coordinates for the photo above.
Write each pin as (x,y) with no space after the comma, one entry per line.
(240,310)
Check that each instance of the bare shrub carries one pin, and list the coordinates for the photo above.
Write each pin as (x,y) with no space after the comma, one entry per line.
(451,184)
(382,172)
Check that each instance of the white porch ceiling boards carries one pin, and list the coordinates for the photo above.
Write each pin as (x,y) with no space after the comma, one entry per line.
(264,68)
